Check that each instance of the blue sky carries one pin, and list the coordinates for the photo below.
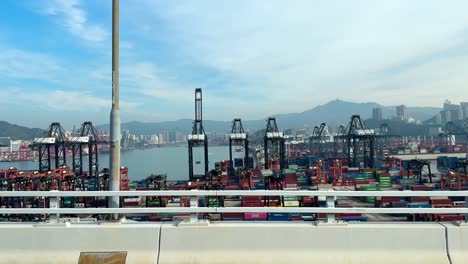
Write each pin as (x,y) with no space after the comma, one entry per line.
(252,58)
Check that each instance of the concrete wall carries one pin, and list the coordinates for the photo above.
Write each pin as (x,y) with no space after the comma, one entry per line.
(257,243)
(242,243)
(25,243)
(457,239)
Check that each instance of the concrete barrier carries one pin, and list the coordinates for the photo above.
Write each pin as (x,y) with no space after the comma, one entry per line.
(246,243)
(457,240)
(226,242)
(62,244)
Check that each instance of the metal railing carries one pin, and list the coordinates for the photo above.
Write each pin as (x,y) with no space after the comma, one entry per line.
(330,197)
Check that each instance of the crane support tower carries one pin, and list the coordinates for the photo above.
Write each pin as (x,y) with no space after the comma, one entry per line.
(198,136)
(52,142)
(317,140)
(383,138)
(455,133)
(274,143)
(339,140)
(360,142)
(238,137)
(87,136)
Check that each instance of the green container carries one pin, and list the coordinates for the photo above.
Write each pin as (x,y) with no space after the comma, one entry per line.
(368,188)
(385,184)
(289,171)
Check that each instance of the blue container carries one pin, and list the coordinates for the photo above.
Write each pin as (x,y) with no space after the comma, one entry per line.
(260,186)
(354,218)
(419,205)
(278,217)
(238,162)
(295,214)
(453,162)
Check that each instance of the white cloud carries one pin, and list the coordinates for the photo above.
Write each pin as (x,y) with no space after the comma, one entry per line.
(17,63)
(75,20)
(145,78)
(302,53)
(69,101)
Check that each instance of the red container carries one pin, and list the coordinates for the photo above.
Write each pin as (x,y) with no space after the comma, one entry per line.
(251,198)
(348,214)
(233,215)
(256,172)
(419,188)
(224,179)
(441,202)
(255,216)
(389,199)
(450,218)
(252,204)
(419,199)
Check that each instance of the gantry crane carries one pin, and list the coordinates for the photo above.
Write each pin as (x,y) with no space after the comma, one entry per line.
(359,141)
(417,166)
(383,138)
(317,140)
(339,140)
(53,141)
(238,137)
(274,143)
(455,133)
(88,136)
(198,136)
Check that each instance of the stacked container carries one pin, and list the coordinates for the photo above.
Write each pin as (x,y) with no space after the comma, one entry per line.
(232,201)
(370,199)
(385,183)
(257,181)
(301,179)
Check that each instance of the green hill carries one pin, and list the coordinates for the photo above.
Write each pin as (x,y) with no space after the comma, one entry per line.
(18,132)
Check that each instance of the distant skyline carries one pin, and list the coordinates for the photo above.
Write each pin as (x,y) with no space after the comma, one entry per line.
(251,58)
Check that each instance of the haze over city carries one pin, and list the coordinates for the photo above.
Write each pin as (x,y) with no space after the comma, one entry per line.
(252,59)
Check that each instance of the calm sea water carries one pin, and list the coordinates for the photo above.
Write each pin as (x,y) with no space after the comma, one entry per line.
(141,163)
(172,161)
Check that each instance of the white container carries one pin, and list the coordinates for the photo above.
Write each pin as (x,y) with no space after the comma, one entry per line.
(45,140)
(79,139)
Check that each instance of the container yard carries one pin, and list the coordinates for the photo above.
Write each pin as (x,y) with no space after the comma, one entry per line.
(355,159)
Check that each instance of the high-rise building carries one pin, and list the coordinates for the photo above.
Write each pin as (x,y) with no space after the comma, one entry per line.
(438,118)
(161,139)
(180,138)
(447,116)
(464,108)
(154,139)
(454,110)
(401,112)
(377,113)
(172,137)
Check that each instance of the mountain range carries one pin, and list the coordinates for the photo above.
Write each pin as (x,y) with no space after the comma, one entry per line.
(18,132)
(334,113)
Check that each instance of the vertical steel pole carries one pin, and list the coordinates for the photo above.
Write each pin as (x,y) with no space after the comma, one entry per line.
(330,204)
(115,112)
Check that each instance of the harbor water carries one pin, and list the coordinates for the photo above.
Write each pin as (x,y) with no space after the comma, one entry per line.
(172,161)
